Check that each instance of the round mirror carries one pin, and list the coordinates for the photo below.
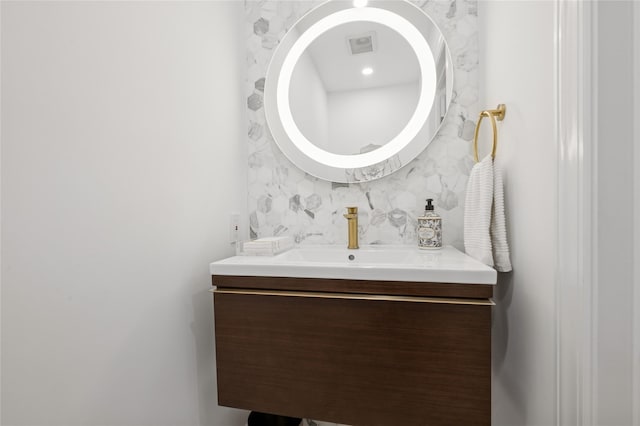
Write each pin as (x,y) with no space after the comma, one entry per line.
(353,93)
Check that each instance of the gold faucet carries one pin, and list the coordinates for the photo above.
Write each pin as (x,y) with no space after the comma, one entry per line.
(352,220)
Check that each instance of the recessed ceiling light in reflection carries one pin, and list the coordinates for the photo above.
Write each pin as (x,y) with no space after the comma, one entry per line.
(360,3)
(367,71)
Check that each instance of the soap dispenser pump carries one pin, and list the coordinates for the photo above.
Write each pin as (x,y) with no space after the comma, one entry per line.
(429,228)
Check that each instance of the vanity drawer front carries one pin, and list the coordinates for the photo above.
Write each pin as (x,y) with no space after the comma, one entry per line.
(354,359)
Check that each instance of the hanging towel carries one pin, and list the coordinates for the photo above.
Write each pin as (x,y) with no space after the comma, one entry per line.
(501,258)
(485,233)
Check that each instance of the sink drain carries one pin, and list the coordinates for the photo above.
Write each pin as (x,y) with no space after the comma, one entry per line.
(352,257)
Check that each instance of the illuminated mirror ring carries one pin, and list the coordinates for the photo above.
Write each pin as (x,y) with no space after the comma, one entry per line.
(434,93)
(427,92)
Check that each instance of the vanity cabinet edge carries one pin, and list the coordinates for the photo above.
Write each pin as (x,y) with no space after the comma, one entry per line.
(383,288)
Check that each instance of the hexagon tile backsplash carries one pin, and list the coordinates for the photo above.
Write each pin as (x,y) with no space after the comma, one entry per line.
(284,200)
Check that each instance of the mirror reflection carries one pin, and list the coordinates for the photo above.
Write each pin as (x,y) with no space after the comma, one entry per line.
(355,88)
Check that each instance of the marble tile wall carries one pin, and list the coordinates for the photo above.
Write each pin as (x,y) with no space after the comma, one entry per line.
(283,200)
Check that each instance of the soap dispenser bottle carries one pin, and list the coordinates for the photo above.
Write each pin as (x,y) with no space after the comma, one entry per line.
(429,228)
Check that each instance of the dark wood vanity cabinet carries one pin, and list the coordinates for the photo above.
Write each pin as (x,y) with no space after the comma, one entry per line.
(355,352)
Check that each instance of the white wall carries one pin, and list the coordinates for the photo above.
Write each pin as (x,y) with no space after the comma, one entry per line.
(636,213)
(614,358)
(358,118)
(516,70)
(122,154)
(517,66)
(308,99)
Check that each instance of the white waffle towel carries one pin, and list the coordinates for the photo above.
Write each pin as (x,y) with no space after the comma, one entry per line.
(485,232)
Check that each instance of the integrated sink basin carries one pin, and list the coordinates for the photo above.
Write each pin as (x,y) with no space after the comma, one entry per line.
(373,262)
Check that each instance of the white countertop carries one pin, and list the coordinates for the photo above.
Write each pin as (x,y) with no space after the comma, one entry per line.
(373,262)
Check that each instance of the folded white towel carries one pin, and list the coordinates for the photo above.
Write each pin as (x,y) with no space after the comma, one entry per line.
(267,246)
(485,232)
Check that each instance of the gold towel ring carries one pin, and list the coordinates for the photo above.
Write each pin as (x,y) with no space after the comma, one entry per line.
(492,114)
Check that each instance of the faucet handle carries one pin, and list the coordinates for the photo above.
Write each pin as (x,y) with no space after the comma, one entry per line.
(352,210)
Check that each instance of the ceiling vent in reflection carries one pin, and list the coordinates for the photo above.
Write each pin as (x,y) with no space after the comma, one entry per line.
(362,43)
